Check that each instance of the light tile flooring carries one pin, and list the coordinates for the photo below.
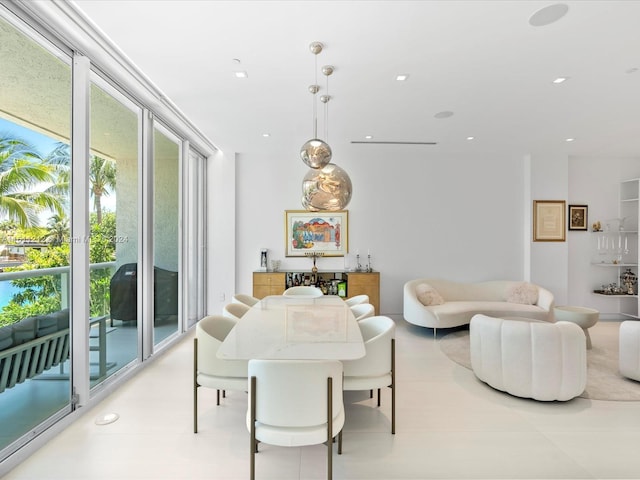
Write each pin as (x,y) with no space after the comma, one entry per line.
(449,426)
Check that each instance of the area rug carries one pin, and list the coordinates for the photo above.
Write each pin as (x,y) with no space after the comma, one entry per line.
(604,382)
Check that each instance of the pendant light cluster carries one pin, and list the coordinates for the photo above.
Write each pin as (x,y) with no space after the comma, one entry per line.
(326,186)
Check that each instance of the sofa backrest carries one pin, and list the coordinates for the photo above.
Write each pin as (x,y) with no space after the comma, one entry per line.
(492,291)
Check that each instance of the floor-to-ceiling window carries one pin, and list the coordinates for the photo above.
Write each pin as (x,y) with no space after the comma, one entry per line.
(195,251)
(114,202)
(39,245)
(35,116)
(166,233)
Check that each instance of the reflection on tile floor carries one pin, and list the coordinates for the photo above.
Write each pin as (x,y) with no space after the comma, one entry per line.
(449,426)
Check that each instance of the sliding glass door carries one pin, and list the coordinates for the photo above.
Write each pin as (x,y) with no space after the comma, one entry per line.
(35,115)
(114,165)
(166,233)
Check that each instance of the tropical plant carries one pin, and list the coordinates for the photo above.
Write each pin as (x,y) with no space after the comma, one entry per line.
(57,230)
(21,171)
(102,175)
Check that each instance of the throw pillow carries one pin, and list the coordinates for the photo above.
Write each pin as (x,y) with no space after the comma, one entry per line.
(523,293)
(427,295)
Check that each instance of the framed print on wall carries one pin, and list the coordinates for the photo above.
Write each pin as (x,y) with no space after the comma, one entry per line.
(578,217)
(324,232)
(548,220)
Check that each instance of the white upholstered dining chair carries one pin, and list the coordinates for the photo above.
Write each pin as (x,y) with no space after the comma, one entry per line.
(295,403)
(363,310)
(357,300)
(307,291)
(377,368)
(245,299)
(235,310)
(210,371)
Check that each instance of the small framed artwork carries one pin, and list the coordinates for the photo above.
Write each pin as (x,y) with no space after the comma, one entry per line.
(578,217)
(323,233)
(549,220)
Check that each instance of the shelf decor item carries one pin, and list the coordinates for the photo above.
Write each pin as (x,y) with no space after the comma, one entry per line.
(548,220)
(578,217)
(324,233)
(629,279)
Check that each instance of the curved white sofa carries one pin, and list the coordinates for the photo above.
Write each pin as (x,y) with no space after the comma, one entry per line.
(463,300)
(529,358)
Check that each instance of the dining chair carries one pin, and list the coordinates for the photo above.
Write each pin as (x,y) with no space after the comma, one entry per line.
(307,291)
(242,298)
(363,310)
(235,310)
(377,368)
(209,370)
(294,403)
(357,300)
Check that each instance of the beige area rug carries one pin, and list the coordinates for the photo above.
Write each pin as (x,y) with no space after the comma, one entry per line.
(604,382)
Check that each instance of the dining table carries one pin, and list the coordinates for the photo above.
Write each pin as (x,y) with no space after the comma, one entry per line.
(295,327)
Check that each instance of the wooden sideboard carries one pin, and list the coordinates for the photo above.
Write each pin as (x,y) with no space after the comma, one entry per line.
(358,283)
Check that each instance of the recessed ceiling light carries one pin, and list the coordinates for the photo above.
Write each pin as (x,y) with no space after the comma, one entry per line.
(548,15)
(241,74)
(444,114)
(470,138)
(561,79)
(368,137)
(570,139)
(266,135)
(402,77)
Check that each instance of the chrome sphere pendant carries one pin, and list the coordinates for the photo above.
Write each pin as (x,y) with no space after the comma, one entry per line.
(328,188)
(316,153)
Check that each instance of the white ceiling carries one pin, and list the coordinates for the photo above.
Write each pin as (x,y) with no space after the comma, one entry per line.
(479,59)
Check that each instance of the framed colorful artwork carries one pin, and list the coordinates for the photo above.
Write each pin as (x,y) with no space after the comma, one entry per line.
(323,233)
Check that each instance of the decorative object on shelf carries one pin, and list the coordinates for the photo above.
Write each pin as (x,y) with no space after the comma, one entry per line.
(326,186)
(263,260)
(358,265)
(578,217)
(629,280)
(325,232)
(597,226)
(548,220)
(369,267)
(314,255)
(275,265)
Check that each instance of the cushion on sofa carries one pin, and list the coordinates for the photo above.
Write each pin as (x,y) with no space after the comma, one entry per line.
(6,337)
(25,330)
(47,324)
(427,295)
(523,293)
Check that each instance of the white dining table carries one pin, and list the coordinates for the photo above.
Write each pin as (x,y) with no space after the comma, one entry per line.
(300,327)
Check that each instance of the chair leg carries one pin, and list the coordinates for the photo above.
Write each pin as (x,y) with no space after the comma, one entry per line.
(393,386)
(371,393)
(329,428)
(195,385)
(378,397)
(253,445)
(224,394)
(340,443)
(217,397)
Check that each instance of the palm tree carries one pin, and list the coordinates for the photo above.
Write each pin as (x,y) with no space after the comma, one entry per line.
(102,176)
(21,170)
(57,230)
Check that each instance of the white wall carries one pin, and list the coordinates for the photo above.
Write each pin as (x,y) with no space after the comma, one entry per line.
(420,214)
(549,260)
(461,217)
